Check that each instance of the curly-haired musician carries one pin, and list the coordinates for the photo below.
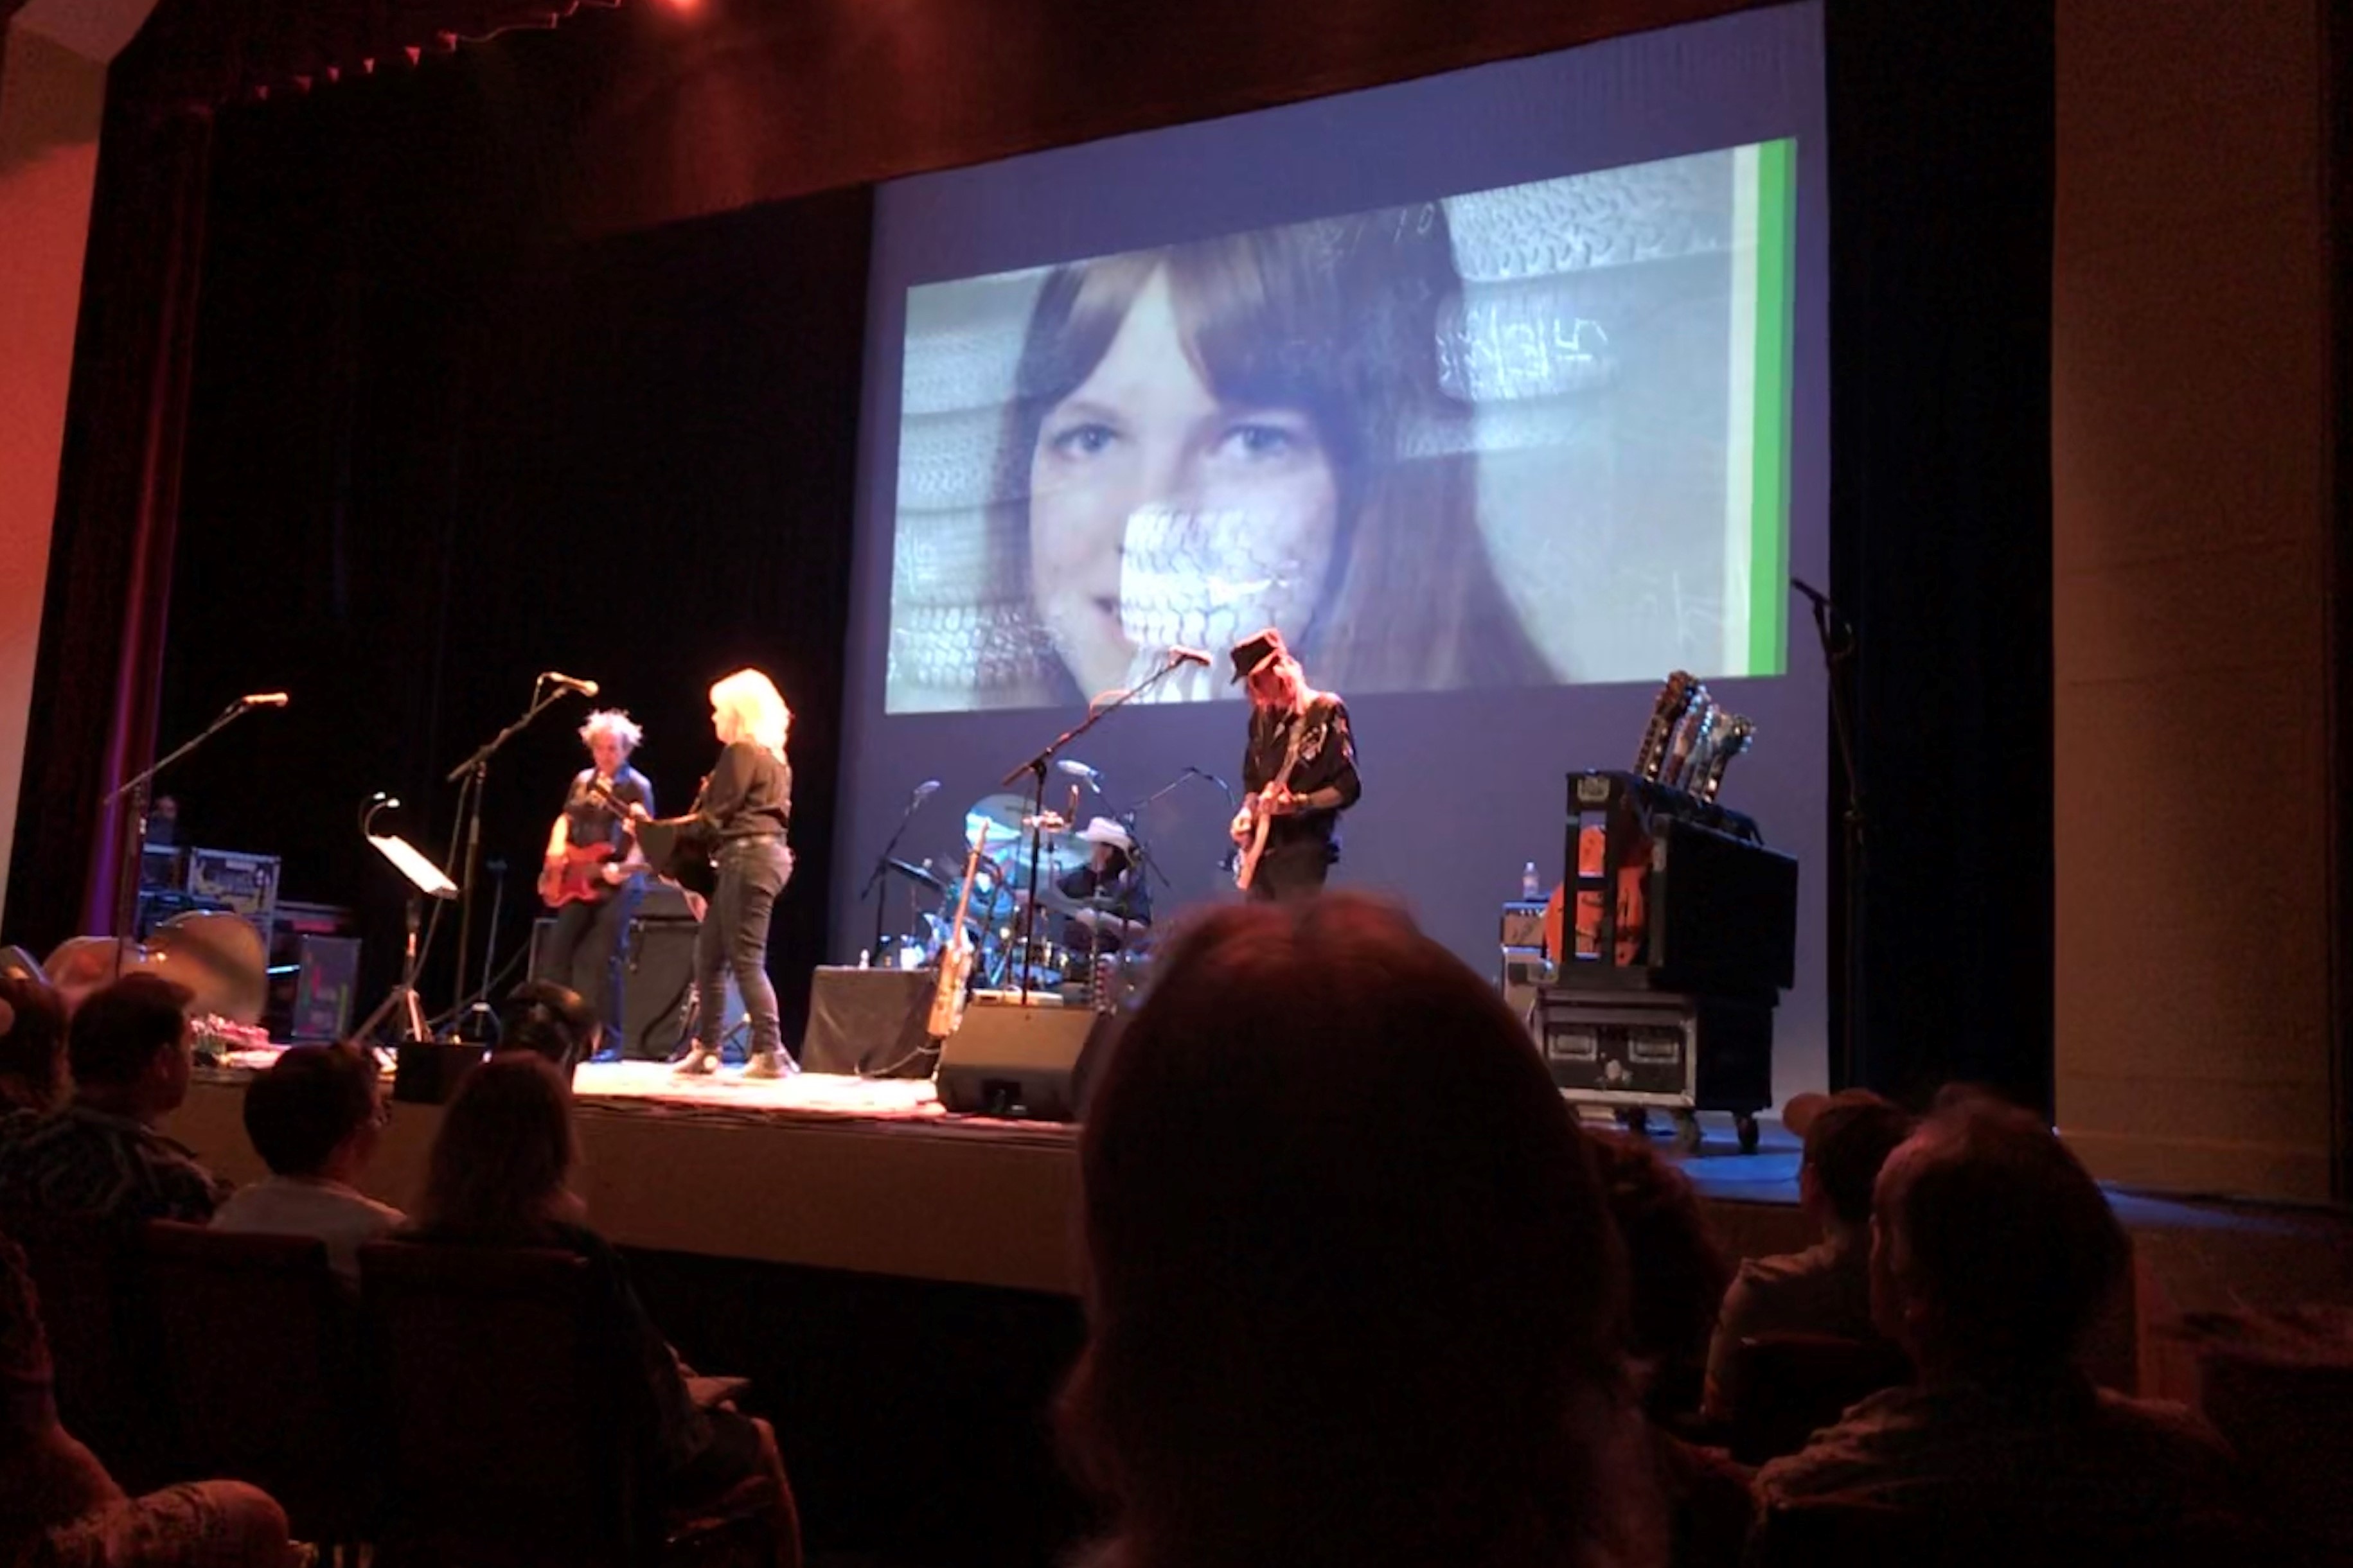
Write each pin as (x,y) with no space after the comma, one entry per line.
(591,869)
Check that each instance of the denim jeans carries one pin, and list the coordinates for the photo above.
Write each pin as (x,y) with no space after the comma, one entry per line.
(734,936)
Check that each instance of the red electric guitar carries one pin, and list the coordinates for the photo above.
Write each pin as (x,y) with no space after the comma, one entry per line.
(579,874)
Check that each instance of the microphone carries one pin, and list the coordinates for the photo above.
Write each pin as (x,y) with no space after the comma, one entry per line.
(1181,655)
(262,700)
(1820,600)
(1079,770)
(928,788)
(389,802)
(570,682)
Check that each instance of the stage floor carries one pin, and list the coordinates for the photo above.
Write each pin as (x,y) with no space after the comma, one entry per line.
(873,1176)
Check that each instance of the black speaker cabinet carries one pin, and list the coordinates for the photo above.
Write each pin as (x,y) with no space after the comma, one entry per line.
(1037,1061)
(869,1021)
(657,978)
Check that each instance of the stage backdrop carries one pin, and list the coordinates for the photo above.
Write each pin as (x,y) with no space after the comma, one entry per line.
(435,448)
(1502,393)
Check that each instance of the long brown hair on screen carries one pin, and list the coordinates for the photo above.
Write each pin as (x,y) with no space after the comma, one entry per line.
(1341,319)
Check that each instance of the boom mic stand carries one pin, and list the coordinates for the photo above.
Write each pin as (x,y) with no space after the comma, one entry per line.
(882,862)
(469,775)
(1836,634)
(127,879)
(1036,768)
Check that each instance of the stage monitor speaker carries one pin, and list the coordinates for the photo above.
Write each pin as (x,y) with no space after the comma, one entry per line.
(869,1022)
(1037,1061)
(657,978)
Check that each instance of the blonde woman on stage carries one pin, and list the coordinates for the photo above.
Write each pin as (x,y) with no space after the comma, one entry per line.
(746,805)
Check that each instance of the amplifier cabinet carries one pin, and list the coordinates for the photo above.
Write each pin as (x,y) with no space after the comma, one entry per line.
(246,883)
(1524,923)
(1657,1048)
(658,985)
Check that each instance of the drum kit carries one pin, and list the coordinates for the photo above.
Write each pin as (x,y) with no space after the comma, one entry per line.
(1001,892)
(216,955)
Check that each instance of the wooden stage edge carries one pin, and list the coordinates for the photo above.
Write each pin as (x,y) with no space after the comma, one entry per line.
(871,1176)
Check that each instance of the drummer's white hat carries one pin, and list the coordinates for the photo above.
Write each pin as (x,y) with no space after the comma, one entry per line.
(1103,830)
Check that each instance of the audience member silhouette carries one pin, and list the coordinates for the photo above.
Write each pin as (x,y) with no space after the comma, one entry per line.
(1992,1254)
(315,1117)
(102,1156)
(500,1175)
(1352,1295)
(551,1021)
(58,1504)
(1826,1288)
(1678,1274)
(33,1076)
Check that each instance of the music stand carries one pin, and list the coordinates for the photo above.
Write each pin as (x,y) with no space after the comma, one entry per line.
(424,879)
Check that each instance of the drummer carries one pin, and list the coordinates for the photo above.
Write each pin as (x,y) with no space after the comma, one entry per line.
(1112,904)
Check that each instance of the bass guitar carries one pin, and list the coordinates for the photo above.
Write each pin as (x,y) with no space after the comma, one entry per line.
(579,874)
(677,850)
(956,955)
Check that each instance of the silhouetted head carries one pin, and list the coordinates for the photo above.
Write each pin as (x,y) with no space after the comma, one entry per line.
(1993,1251)
(1353,1293)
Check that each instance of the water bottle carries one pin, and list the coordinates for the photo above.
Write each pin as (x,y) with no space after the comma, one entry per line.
(1531,890)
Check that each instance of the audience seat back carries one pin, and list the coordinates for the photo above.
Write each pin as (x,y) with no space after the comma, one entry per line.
(101,1341)
(259,1358)
(506,1433)
(1783,1388)
(1835,1533)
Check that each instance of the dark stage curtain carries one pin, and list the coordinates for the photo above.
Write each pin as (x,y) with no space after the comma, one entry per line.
(435,452)
(1941,190)
(103,613)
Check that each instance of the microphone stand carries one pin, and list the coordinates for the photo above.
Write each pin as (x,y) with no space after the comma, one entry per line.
(469,775)
(1838,644)
(1036,768)
(882,865)
(126,888)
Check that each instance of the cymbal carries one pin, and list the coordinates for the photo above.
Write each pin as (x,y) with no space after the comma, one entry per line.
(1053,897)
(1006,818)
(217,955)
(919,874)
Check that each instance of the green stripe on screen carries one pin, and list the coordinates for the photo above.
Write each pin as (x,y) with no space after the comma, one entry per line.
(1769,556)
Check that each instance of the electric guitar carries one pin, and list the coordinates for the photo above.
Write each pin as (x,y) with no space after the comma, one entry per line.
(1262,818)
(1665,713)
(579,874)
(956,955)
(675,850)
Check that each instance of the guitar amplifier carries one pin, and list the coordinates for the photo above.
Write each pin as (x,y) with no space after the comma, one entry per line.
(1523,923)
(657,985)
(246,883)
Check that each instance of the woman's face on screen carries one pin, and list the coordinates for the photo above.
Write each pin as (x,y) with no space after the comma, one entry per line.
(1161,514)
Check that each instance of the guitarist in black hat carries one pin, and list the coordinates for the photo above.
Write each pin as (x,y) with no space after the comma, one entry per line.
(1299,771)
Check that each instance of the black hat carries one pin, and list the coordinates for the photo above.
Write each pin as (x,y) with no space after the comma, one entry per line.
(1255,650)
